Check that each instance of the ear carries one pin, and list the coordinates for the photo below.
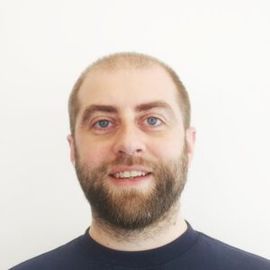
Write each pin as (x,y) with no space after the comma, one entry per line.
(72,148)
(190,143)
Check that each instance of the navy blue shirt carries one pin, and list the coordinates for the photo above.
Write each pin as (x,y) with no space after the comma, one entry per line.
(193,250)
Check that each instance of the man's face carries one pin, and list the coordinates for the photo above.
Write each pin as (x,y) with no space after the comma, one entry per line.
(130,149)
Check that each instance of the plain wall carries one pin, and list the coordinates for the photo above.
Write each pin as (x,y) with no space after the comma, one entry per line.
(220,49)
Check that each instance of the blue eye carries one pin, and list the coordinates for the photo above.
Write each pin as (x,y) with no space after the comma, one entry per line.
(153,121)
(102,123)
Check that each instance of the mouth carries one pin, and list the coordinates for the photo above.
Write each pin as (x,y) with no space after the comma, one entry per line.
(129,176)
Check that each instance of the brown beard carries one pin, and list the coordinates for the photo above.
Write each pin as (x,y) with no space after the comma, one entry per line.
(133,209)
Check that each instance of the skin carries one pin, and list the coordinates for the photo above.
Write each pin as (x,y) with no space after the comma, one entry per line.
(129,133)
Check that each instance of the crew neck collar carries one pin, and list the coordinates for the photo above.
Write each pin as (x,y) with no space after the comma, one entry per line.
(141,258)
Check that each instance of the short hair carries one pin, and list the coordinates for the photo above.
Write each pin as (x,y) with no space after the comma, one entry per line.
(124,60)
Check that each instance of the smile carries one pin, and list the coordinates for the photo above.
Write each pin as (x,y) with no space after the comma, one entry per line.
(129,174)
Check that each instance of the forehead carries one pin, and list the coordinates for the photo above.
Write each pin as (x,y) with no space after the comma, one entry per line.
(128,88)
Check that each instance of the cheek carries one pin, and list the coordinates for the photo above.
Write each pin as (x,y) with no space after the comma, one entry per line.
(166,150)
(93,154)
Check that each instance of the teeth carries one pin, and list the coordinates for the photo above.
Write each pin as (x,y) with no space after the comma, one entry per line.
(129,174)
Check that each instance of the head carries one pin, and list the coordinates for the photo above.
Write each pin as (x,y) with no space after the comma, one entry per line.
(131,140)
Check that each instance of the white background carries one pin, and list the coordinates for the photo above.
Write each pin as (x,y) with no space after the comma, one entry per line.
(220,49)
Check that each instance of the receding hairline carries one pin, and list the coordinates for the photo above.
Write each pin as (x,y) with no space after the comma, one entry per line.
(108,70)
(125,61)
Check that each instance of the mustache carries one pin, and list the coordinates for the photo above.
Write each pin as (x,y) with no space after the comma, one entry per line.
(130,161)
(105,168)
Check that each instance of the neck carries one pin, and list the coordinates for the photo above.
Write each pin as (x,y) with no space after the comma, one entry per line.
(153,236)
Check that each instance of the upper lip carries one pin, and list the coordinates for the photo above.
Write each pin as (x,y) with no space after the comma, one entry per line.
(118,169)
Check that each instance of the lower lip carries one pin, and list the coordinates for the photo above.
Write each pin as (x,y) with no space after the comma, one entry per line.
(131,181)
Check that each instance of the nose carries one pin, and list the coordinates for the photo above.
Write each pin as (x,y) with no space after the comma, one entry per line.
(129,141)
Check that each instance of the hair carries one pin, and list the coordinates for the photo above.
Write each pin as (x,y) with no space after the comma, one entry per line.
(125,60)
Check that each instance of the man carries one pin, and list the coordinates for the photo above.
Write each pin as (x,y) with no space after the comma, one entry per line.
(131,145)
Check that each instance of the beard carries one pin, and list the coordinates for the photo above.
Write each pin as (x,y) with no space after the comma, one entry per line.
(132,209)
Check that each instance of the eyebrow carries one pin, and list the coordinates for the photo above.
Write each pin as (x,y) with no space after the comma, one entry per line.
(89,111)
(153,105)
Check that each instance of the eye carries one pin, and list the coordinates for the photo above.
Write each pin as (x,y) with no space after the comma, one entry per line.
(153,121)
(102,124)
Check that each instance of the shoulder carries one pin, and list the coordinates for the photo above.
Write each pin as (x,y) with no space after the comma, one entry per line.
(225,256)
(62,257)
